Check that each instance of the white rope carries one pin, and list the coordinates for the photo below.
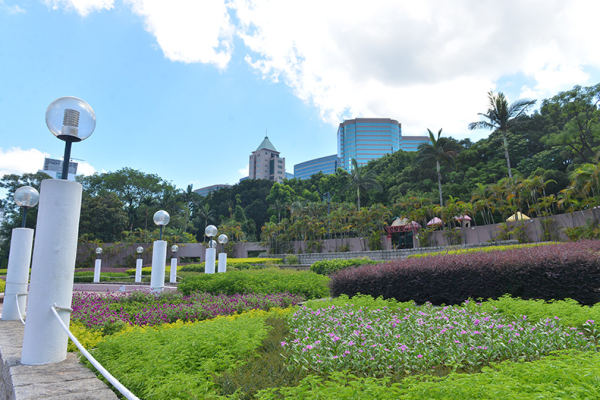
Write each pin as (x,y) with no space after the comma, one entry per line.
(18,308)
(122,389)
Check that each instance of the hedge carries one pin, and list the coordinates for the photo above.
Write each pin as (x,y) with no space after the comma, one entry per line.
(269,280)
(327,267)
(2,285)
(88,276)
(480,249)
(559,271)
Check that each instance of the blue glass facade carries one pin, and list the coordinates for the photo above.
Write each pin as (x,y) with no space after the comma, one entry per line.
(327,165)
(367,139)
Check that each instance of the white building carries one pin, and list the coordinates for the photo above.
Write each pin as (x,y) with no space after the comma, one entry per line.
(54,168)
(265,163)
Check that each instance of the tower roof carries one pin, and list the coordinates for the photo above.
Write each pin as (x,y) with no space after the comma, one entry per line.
(266,144)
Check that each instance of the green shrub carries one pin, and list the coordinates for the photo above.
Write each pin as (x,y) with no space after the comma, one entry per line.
(192,268)
(178,363)
(327,267)
(88,276)
(564,375)
(291,260)
(569,312)
(2,285)
(269,280)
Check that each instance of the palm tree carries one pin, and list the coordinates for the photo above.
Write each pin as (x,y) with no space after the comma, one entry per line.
(188,198)
(205,214)
(501,116)
(360,178)
(440,150)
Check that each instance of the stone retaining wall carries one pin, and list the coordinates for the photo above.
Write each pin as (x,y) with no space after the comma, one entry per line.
(383,255)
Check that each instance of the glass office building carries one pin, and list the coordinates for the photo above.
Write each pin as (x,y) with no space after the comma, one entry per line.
(327,165)
(367,139)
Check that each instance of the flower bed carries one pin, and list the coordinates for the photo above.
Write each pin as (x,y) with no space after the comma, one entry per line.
(137,308)
(382,341)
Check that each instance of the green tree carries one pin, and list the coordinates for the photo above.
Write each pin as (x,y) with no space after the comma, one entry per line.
(204,216)
(501,116)
(441,151)
(361,178)
(103,217)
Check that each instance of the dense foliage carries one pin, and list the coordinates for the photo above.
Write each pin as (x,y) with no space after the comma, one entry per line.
(570,270)
(326,267)
(270,280)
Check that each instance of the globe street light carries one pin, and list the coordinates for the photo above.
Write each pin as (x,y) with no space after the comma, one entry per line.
(26,197)
(54,255)
(159,254)
(209,265)
(161,218)
(173,275)
(19,258)
(72,120)
(138,265)
(223,256)
(97,265)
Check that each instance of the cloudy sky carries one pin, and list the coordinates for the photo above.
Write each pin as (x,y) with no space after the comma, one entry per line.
(187,88)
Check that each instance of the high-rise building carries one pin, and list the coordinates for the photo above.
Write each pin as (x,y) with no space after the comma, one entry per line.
(367,139)
(265,163)
(54,168)
(327,165)
(204,191)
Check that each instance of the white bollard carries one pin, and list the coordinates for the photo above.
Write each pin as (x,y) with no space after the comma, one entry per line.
(222,262)
(209,264)
(17,275)
(97,267)
(159,261)
(173,270)
(52,271)
(138,270)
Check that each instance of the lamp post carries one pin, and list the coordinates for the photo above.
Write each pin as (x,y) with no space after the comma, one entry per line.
(173,276)
(97,265)
(210,231)
(19,258)
(138,265)
(53,266)
(159,254)
(222,255)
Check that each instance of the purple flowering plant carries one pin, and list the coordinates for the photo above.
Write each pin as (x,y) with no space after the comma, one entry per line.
(376,342)
(137,308)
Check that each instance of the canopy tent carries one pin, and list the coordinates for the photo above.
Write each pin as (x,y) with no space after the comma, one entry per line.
(517,217)
(461,217)
(434,221)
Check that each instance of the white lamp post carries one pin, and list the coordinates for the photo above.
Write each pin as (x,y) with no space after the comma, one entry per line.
(159,254)
(55,250)
(209,264)
(222,255)
(173,277)
(98,265)
(138,265)
(19,258)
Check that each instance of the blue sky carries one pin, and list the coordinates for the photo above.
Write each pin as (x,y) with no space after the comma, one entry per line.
(186,89)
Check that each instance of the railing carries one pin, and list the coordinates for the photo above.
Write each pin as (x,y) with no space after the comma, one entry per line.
(113,381)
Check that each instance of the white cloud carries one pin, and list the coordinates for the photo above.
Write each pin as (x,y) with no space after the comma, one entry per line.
(426,63)
(18,161)
(244,171)
(82,7)
(11,9)
(84,168)
(189,30)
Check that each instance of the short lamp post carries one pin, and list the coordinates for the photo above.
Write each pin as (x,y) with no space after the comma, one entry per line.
(19,258)
(210,231)
(138,265)
(173,276)
(159,254)
(97,265)
(53,265)
(222,255)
